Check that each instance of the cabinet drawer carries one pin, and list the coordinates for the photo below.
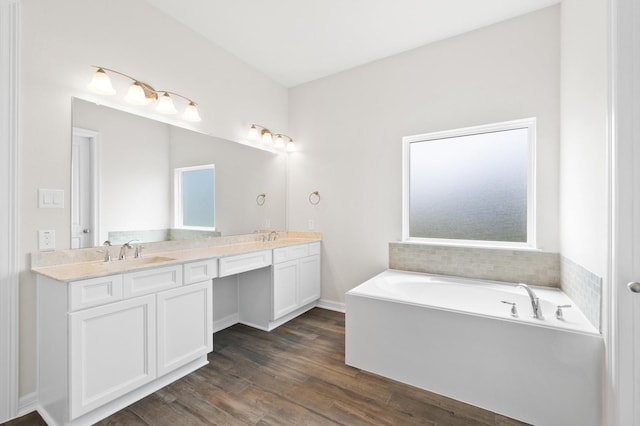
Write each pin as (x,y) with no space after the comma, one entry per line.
(284,254)
(95,291)
(204,270)
(314,248)
(239,263)
(151,280)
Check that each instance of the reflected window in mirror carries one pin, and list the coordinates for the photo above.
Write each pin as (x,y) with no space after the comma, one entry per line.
(195,197)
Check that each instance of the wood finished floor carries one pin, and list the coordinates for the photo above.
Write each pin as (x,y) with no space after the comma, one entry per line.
(294,375)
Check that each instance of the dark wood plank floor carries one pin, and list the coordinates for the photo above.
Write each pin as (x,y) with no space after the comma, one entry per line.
(294,375)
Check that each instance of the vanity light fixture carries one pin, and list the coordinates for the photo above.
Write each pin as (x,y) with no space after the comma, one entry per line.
(142,94)
(279,140)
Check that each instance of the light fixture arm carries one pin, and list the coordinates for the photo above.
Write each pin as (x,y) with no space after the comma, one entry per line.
(284,136)
(191,101)
(148,89)
(258,126)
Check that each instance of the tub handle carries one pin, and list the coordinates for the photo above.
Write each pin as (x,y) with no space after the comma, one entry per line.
(559,311)
(514,309)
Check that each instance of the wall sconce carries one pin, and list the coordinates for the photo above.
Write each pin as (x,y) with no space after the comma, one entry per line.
(142,94)
(279,140)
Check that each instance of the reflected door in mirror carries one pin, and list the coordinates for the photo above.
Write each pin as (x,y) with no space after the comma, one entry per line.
(84,188)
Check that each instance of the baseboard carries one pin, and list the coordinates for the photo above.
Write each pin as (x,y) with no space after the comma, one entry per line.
(27,404)
(332,306)
(225,322)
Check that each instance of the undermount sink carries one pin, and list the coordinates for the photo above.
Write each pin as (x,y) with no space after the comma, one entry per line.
(139,261)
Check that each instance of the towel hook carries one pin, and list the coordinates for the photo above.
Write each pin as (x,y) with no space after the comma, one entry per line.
(260,199)
(314,198)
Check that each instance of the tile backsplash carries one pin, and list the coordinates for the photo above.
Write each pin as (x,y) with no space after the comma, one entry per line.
(583,287)
(531,267)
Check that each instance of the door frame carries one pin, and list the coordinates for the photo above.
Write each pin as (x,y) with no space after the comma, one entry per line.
(94,141)
(622,316)
(9,289)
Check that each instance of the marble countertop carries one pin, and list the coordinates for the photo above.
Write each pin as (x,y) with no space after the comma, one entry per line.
(67,272)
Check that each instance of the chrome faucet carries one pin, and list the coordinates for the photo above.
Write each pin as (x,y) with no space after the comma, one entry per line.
(535,302)
(275,235)
(107,251)
(123,250)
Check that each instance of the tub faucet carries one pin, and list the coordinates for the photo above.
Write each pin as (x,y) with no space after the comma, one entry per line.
(535,302)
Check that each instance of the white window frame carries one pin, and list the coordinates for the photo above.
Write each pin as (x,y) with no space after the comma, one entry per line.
(530,124)
(177,198)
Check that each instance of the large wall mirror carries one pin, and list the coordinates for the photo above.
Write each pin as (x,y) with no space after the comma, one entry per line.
(123,180)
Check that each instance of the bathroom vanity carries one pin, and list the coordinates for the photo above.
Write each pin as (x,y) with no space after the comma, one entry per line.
(110,333)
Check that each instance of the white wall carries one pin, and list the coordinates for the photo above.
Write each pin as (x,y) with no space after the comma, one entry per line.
(60,40)
(583,169)
(349,128)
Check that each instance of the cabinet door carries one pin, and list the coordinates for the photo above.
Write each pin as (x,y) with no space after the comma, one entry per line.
(309,279)
(285,288)
(112,350)
(185,325)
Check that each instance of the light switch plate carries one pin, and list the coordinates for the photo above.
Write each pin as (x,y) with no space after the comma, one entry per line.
(50,198)
(46,239)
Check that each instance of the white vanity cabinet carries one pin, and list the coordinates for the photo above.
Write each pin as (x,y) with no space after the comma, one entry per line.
(106,342)
(296,278)
(269,297)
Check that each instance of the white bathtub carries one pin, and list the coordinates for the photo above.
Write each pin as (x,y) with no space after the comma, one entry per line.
(454,337)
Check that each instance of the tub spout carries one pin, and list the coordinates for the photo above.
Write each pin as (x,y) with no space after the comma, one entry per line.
(535,302)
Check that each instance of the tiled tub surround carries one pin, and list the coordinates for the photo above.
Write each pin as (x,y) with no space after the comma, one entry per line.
(528,266)
(67,260)
(583,287)
(531,267)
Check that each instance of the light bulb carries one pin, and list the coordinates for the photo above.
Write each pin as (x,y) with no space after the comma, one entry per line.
(252,135)
(165,105)
(267,137)
(279,143)
(191,112)
(136,95)
(101,83)
(291,147)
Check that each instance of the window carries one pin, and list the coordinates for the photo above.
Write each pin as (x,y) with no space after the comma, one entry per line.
(472,186)
(194,196)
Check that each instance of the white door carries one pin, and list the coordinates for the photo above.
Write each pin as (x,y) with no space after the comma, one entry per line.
(84,189)
(624,330)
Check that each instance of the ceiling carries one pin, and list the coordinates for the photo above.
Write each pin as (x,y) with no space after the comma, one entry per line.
(296,41)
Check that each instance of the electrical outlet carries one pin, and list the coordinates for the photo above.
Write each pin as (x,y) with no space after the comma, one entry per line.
(47,240)
(311,225)
(267,223)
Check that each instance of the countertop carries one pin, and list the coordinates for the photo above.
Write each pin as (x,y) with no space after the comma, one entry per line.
(82,270)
